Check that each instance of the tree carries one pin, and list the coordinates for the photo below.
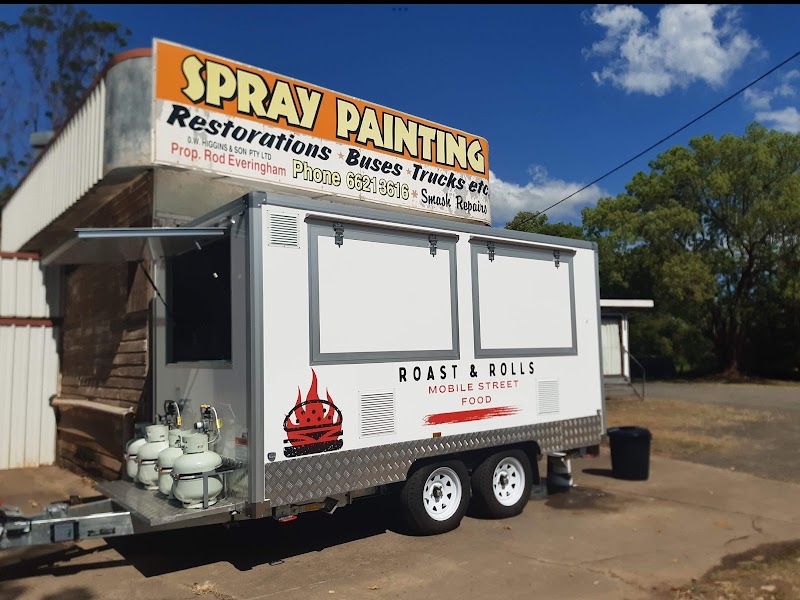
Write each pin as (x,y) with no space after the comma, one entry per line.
(712,233)
(52,53)
(538,223)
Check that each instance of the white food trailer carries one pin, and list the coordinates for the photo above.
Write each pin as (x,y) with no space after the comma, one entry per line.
(352,351)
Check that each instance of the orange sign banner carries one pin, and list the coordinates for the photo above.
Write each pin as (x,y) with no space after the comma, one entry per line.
(189,77)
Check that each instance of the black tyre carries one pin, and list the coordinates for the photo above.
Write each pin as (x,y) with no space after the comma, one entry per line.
(501,485)
(435,498)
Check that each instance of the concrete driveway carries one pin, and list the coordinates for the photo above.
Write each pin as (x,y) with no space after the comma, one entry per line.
(605,539)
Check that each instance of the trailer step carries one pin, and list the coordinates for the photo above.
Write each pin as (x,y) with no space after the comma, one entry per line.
(159,513)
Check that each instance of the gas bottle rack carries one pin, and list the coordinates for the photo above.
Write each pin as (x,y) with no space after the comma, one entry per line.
(158,512)
(127,509)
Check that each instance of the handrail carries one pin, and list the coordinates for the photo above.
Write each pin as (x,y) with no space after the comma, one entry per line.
(644,378)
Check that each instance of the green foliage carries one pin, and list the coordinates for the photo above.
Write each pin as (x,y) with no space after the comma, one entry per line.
(53,53)
(712,234)
(537,223)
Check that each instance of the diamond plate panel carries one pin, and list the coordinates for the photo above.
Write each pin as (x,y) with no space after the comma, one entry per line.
(156,511)
(313,477)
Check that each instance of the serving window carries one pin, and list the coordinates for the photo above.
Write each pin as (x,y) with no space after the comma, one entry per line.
(523,301)
(380,295)
(199,304)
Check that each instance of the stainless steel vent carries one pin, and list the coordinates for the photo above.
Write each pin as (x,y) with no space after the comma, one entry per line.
(377,414)
(547,396)
(283,230)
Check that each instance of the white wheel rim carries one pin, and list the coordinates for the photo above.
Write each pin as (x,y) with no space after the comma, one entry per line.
(508,481)
(441,494)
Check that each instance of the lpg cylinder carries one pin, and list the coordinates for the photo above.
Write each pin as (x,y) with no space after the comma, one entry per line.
(196,459)
(148,455)
(132,456)
(167,459)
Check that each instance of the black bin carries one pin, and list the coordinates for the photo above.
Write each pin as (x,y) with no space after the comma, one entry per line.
(630,452)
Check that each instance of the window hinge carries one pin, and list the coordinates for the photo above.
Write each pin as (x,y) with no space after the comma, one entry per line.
(490,247)
(433,240)
(557,257)
(338,233)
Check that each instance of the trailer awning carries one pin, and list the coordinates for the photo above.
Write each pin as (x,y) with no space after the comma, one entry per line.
(129,244)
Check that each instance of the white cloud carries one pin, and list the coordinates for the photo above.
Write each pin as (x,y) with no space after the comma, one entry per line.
(509,198)
(762,99)
(691,42)
(758,99)
(787,119)
(763,102)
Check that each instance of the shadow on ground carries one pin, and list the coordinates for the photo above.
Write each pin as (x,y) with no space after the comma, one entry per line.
(599,472)
(13,591)
(246,545)
(249,544)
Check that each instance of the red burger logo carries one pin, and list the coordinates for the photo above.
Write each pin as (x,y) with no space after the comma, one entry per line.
(312,426)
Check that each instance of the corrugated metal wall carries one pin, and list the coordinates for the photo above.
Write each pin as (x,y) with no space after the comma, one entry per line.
(27,290)
(28,361)
(68,169)
(28,378)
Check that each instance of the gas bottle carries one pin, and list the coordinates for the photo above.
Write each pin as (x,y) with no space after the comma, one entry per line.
(196,459)
(167,459)
(148,455)
(132,456)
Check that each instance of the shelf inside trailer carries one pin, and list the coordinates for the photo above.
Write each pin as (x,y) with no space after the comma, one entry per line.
(156,511)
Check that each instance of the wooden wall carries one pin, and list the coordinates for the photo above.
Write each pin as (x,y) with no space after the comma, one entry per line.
(104,345)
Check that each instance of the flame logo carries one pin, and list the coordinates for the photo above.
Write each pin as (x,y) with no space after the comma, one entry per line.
(312,426)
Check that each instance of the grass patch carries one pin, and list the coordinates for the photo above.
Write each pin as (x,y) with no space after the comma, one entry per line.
(723,379)
(682,429)
(771,572)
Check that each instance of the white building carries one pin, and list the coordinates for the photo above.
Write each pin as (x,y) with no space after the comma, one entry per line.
(615,338)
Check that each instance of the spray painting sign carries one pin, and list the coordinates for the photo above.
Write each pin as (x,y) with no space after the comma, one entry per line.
(227,118)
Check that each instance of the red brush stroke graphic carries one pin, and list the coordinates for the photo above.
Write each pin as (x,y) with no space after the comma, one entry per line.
(463,416)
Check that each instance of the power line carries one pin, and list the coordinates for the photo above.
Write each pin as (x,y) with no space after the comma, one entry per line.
(674,133)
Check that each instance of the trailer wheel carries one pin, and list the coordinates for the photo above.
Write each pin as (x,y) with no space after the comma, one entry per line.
(435,497)
(502,484)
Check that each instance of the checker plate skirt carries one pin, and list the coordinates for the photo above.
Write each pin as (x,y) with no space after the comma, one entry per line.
(309,478)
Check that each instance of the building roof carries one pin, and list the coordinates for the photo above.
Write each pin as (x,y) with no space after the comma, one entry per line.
(628,305)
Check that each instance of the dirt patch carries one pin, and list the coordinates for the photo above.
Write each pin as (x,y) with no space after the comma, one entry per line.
(751,428)
(683,429)
(769,572)
(33,489)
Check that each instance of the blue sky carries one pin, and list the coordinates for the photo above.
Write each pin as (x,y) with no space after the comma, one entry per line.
(562,93)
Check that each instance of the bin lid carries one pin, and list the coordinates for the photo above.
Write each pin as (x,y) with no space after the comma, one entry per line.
(629,431)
